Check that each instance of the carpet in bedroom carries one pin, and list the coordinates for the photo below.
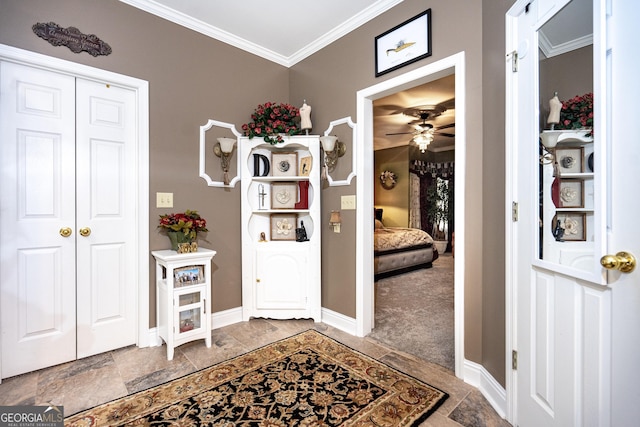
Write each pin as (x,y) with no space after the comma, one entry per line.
(414,312)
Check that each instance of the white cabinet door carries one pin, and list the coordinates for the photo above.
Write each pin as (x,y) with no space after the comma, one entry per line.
(281,279)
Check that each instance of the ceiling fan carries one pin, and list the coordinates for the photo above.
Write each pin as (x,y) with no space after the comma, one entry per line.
(421,126)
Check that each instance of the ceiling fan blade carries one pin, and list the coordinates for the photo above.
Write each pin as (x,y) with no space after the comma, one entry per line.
(450,135)
(450,125)
(399,133)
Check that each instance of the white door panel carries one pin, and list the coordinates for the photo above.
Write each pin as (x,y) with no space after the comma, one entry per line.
(37,199)
(107,273)
(575,325)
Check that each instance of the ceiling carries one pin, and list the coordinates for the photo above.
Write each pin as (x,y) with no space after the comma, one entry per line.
(282,31)
(397,113)
(288,31)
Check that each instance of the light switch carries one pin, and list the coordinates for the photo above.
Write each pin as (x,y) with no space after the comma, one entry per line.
(348,202)
(164,200)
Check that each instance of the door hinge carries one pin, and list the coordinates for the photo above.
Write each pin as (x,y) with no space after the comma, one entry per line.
(514,211)
(514,60)
(514,360)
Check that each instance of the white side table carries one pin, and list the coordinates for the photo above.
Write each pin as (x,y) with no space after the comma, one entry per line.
(183,297)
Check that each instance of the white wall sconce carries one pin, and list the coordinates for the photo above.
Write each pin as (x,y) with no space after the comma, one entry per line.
(335,221)
(333,150)
(223,149)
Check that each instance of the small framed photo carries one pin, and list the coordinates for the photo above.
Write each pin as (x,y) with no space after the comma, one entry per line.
(284,195)
(186,276)
(570,159)
(284,164)
(305,166)
(283,226)
(406,43)
(572,193)
(574,225)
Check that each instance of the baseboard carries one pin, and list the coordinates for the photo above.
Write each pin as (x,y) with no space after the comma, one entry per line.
(476,375)
(339,321)
(224,318)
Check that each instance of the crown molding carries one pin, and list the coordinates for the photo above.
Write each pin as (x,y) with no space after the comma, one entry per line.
(549,50)
(202,27)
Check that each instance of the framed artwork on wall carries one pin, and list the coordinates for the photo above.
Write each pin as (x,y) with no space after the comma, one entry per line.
(404,44)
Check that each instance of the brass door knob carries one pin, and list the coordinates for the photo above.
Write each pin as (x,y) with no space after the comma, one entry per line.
(85,231)
(65,232)
(622,261)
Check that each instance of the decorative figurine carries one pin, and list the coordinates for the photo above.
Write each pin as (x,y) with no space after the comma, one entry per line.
(554,110)
(301,233)
(305,117)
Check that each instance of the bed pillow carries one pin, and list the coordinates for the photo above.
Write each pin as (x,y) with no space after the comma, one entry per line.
(378,224)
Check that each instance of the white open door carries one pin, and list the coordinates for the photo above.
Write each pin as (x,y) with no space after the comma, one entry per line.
(573,325)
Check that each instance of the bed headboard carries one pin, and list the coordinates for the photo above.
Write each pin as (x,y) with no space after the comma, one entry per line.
(377,214)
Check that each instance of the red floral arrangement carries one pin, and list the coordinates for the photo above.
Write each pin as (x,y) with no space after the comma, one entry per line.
(189,222)
(272,120)
(577,113)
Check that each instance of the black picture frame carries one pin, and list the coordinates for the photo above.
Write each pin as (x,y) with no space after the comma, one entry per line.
(403,44)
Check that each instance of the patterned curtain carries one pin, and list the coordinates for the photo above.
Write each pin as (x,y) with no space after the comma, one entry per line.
(427,174)
(414,200)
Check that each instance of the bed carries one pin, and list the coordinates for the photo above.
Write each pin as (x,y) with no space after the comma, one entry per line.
(399,250)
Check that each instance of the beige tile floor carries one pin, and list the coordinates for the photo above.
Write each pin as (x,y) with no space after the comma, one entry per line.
(88,382)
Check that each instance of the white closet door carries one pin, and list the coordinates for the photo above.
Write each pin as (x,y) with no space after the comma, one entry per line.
(68,153)
(37,202)
(106,200)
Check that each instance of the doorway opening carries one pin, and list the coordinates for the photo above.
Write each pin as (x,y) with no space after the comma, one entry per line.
(453,65)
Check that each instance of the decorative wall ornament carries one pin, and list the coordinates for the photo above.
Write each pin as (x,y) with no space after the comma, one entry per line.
(72,38)
(388,180)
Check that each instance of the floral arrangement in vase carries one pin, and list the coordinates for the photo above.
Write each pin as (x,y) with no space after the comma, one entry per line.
(182,227)
(577,113)
(272,120)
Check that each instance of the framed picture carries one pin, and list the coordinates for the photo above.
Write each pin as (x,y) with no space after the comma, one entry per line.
(305,166)
(570,159)
(284,164)
(284,195)
(406,43)
(283,226)
(186,276)
(574,225)
(572,193)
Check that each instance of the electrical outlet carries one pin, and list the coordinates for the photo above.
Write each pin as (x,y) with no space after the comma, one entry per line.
(164,200)
(348,202)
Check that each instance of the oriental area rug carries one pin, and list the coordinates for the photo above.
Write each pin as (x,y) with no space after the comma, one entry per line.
(305,380)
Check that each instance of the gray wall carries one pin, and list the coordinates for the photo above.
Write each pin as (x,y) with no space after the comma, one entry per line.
(194,78)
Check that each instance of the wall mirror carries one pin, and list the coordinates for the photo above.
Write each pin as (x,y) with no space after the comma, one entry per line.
(568,181)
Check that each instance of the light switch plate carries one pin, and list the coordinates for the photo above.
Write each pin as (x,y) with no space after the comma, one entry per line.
(348,202)
(164,200)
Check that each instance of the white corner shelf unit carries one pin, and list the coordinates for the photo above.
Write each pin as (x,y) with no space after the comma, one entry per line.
(280,193)
(574,206)
(183,297)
